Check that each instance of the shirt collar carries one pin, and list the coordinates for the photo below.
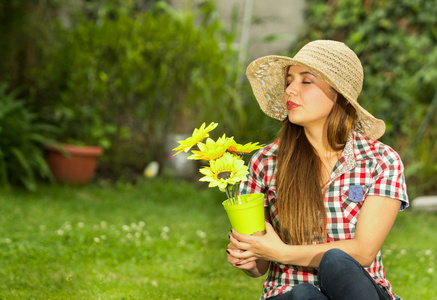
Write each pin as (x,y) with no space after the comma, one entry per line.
(356,148)
(271,149)
(347,159)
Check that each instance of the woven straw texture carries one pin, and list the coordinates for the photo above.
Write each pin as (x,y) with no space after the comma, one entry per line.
(333,61)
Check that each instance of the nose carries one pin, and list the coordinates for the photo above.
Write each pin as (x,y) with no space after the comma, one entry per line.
(291,90)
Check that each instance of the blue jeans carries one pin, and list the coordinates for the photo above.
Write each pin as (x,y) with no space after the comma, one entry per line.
(340,278)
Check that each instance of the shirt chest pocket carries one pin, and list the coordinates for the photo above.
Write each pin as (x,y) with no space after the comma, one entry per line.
(352,198)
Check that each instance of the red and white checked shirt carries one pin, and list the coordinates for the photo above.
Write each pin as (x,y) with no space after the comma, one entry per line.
(365,168)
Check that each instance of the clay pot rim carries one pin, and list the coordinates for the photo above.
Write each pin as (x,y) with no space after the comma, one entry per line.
(76,149)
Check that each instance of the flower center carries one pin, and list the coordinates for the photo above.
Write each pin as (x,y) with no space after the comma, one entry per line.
(224,175)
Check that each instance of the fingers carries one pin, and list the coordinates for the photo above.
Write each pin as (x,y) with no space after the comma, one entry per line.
(238,244)
(240,237)
(239,250)
(239,257)
(239,254)
(238,262)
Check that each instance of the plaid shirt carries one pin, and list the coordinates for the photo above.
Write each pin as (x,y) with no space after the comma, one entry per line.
(365,168)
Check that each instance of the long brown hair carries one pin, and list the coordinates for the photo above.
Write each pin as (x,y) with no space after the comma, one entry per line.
(301,211)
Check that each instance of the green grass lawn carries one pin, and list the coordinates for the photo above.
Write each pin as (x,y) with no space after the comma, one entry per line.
(156,240)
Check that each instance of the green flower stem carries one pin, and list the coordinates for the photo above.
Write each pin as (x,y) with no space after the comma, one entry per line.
(232,193)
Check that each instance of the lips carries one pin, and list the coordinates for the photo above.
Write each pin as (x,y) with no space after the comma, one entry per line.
(291,105)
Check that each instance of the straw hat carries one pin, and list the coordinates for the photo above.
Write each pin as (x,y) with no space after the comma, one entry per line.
(333,61)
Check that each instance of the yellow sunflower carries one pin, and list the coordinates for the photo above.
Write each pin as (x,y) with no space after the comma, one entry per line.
(211,149)
(198,136)
(224,171)
(244,149)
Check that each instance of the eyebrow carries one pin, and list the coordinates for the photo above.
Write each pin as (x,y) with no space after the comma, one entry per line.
(302,73)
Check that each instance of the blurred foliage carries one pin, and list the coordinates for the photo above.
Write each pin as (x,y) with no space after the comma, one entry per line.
(396,41)
(123,74)
(22,137)
(23,25)
(110,74)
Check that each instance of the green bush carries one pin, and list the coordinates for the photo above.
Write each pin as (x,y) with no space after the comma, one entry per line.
(125,80)
(397,44)
(22,139)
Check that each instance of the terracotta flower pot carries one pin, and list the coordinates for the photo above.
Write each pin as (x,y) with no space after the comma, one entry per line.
(74,165)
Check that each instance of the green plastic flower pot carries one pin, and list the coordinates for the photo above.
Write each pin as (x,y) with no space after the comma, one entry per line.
(248,216)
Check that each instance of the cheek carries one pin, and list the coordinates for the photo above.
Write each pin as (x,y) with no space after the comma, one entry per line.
(320,101)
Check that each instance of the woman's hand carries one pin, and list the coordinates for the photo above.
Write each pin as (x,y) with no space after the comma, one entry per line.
(236,262)
(244,250)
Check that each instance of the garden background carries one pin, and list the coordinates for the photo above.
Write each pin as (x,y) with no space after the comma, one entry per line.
(128,76)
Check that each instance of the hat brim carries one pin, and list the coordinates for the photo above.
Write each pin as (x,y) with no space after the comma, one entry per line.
(267,78)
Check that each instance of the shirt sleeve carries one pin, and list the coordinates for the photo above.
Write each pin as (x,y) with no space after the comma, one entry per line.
(389,178)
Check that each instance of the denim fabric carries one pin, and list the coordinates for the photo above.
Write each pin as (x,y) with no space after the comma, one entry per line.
(340,278)
(305,291)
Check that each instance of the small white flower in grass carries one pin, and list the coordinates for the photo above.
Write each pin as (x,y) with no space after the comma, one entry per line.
(403,252)
(8,241)
(125,228)
(80,224)
(148,239)
(96,240)
(142,224)
(129,235)
(428,252)
(155,283)
(103,237)
(137,234)
(430,270)
(165,229)
(103,224)
(67,226)
(60,232)
(201,234)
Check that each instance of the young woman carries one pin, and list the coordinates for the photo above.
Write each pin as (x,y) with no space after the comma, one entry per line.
(332,191)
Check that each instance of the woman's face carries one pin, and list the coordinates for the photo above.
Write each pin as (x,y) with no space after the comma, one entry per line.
(309,99)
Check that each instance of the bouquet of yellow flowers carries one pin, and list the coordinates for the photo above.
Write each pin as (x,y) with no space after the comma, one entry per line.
(226,167)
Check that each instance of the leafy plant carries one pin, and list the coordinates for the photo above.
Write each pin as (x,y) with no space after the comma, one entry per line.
(134,77)
(396,42)
(22,139)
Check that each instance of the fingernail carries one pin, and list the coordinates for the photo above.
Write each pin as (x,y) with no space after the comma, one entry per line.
(229,236)
(228,251)
(237,265)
